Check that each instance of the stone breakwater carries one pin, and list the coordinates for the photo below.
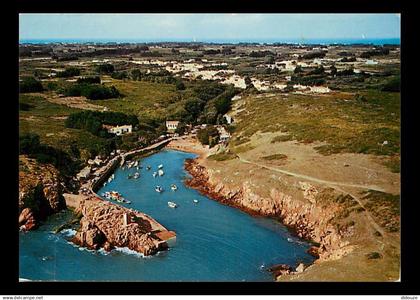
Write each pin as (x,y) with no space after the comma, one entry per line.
(107,225)
(310,218)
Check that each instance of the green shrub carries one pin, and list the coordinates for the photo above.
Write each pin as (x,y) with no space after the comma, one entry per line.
(69,72)
(30,85)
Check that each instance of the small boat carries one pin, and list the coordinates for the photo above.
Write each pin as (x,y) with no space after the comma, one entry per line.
(195,201)
(174,187)
(160,172)
(148,168)
(136,175)
(129,176)
(137,168)
(154,174)
(172,204)
(136,163)
(105,183)
(127,201)
(158,189)
(103,194)
(109,179)
(160,166)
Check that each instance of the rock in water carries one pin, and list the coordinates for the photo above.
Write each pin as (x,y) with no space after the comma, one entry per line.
(300,268)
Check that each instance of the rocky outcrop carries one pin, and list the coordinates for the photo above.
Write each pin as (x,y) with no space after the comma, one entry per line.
(40,192)
(309,217)
(107,225)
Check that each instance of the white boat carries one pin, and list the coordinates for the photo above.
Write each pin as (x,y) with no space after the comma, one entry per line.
(109,179)
(136,163)
(174,187)
(172,204)
(105,183)
(154,174)
(160,166)
(136,175)
(158,189)
(195,201)
(160,172)
(148,168)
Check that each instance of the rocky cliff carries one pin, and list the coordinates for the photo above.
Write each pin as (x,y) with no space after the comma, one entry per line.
(40,192)
(310,217)
(107,225)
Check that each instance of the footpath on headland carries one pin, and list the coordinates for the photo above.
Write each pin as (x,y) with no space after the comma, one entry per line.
(106,224)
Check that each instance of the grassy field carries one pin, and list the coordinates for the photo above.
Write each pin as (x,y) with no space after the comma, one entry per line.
(154,100)
(365,123)
(47,120)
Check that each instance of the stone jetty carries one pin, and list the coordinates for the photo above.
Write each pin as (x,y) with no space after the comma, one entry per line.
(108,225)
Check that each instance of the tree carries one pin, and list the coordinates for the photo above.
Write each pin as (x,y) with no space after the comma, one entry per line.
(69,72)
(194,107)
(181,128)
(91,80)
(136,74)
(393,85)
(298,69)
(29,143)
(269,60)
(105,69)
(30,85)
(208,136)
(180,85)
(333,70)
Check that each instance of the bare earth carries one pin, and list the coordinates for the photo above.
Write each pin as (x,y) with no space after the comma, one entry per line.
(350,174)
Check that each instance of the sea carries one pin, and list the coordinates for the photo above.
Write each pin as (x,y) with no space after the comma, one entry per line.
(214,242)
(324,41)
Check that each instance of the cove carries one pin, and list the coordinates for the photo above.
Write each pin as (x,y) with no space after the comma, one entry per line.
(214,242)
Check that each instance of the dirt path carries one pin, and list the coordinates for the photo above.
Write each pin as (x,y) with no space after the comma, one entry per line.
(314,179)
(334,184)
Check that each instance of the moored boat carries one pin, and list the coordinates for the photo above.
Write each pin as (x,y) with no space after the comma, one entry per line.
(154,174)
(174,187)
(195,201)
(158,189)
(160,172)
(172,204)
(160,166)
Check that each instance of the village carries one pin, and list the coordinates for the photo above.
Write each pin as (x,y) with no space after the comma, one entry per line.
(306,134)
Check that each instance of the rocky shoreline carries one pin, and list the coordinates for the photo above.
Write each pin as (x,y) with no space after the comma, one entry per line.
(40,192)
(310,220)
(107,225)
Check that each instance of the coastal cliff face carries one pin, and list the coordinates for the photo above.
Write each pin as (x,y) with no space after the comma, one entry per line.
(40,192)
(104,224)
(310,218)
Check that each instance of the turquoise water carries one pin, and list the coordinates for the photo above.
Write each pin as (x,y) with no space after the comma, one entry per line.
(214,242)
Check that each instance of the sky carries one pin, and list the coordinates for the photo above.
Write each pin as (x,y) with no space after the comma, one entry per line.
(208,26)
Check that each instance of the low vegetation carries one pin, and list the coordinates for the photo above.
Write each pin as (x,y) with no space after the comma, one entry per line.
(277,156)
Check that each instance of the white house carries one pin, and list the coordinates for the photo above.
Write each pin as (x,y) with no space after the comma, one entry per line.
(172,125)
(119,130)
(84,173)
(224,135)
(228,118)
